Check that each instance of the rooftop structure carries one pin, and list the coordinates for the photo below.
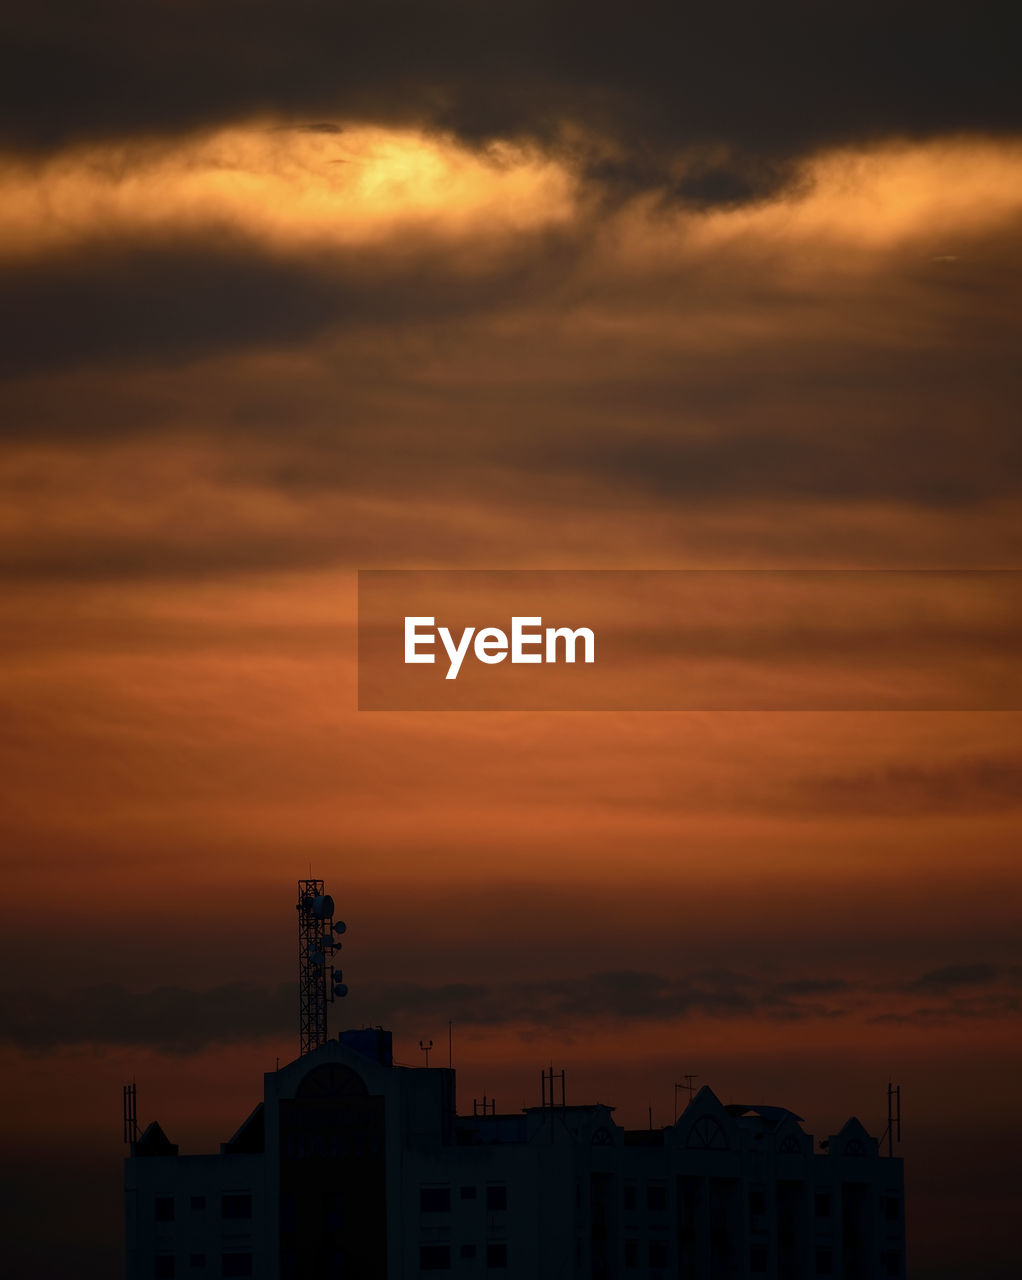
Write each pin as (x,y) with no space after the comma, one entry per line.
(352,1166)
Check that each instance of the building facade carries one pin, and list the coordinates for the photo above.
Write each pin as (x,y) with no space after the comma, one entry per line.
(354,1167)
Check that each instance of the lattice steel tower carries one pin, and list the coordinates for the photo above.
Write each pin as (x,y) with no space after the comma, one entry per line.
(318,981)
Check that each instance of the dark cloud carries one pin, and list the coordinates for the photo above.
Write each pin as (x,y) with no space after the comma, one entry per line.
(173,1019)
(960,786)
(616,994)
(764,83)
(161,301)
(811,987)
(177,556)
(948,977)
(963,991)
(882,460)
(178,1020)
(416,365)
(170,302)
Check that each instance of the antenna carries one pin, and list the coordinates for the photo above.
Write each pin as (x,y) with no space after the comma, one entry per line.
(893,1131)
(688,1086)
(318,940)
(130,1115)
(425,1046)
(548,1078)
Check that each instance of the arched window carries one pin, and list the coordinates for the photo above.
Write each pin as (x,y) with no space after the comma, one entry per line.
(332,1080)
(706,1135)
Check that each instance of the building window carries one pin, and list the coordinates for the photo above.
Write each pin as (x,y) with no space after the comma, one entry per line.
(631,1253)
(630,1197)
(468,1193)
(198,1202)
(435,1199)
(706,1135)
(658,1253)
(757,1203)
(434,1257)
(236,1264)
(656,1198)
(892,1260)
(197,1261)
(496,1257)
(467,1251)
(823,1204)
(496,1199)
(892,1208)
(163,1266)
(757,1259)
(163,1208)
(824,1262)
(236,1206)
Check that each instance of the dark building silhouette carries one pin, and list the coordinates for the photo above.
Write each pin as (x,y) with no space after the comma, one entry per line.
(354,1167)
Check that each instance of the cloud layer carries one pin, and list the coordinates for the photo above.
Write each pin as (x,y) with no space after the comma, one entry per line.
(748,90)
(179,1020)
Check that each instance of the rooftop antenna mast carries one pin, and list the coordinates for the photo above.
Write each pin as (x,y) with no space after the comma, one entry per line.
(319,982)
(893,1131)
(689,1088)
(130,1115)
(548,1079)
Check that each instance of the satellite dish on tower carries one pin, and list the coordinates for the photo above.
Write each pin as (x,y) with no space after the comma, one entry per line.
(318,943)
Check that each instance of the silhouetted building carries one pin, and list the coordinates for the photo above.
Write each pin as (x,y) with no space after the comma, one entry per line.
(353,1167)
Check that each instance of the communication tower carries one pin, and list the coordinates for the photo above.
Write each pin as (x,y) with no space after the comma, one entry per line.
(319,981)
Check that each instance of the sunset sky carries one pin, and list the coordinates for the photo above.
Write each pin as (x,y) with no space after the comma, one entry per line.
(291,291)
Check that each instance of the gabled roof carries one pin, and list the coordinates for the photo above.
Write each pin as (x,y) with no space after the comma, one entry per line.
(249,1138)
(853,1139)
(773,1116)
(154,1142)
